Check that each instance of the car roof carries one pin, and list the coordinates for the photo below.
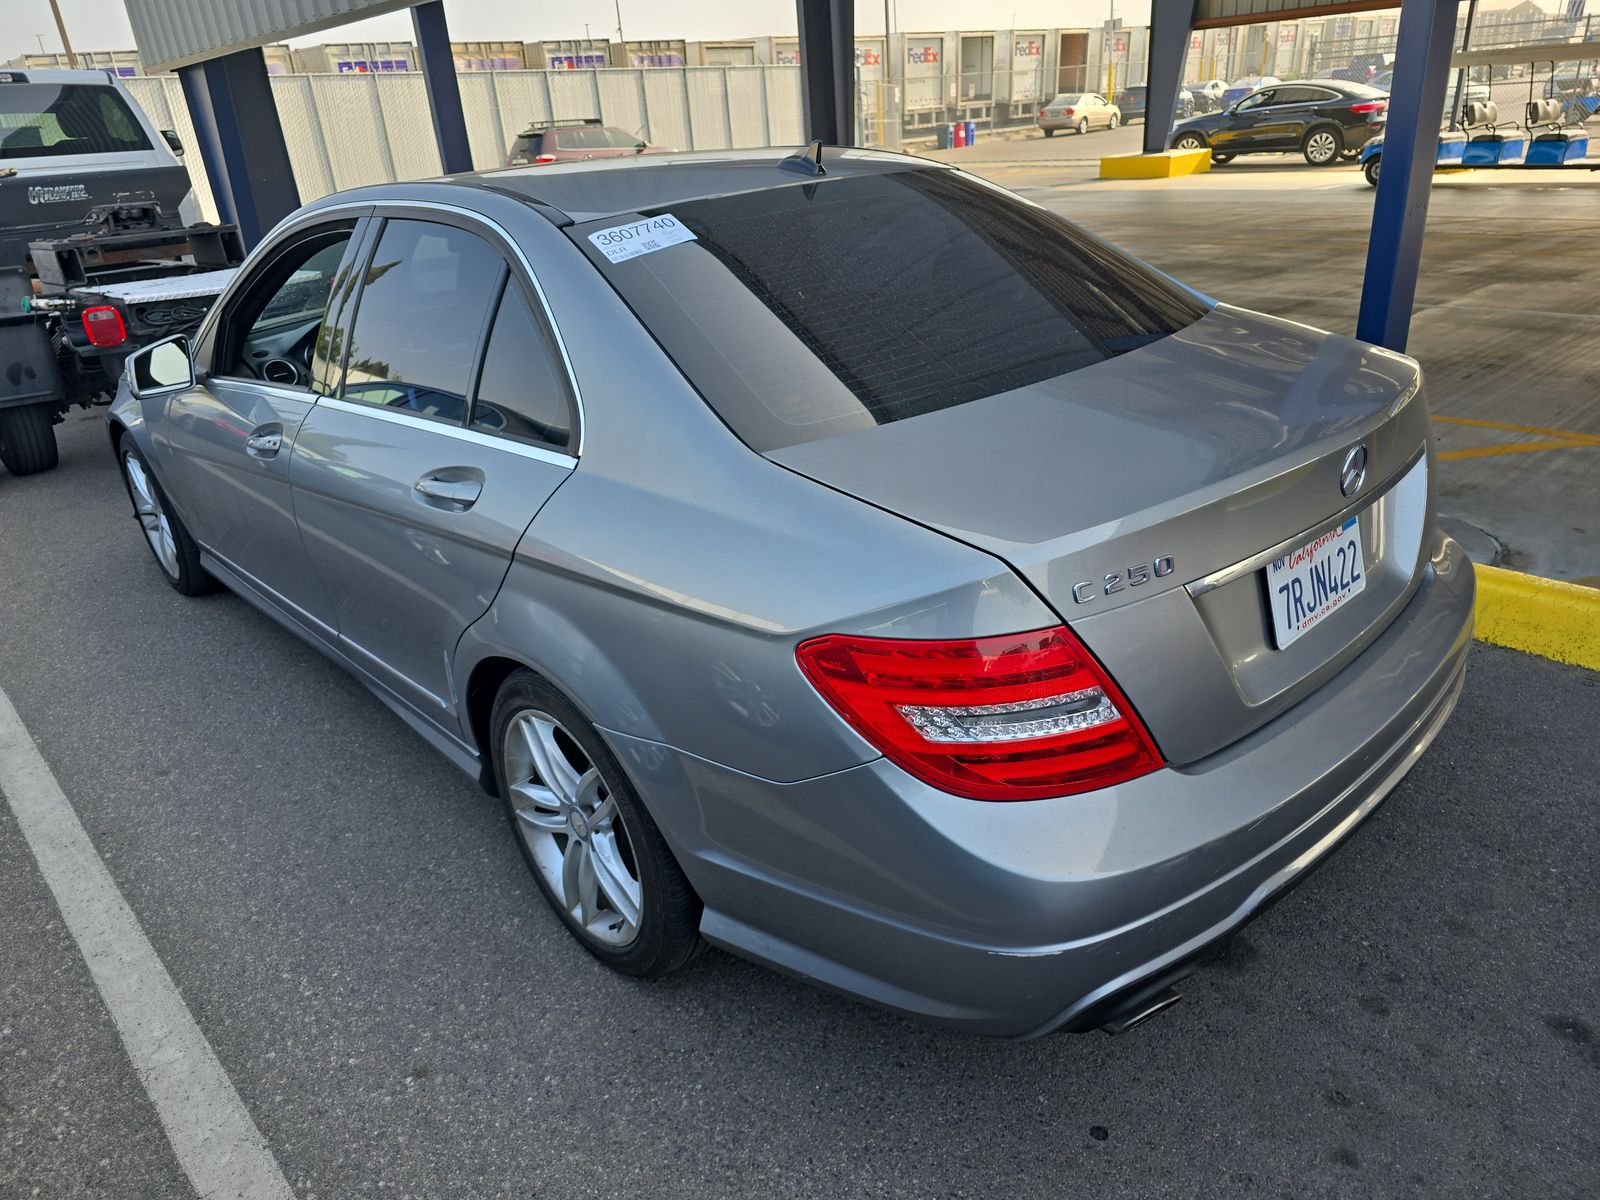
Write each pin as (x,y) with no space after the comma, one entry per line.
(53,75)
(584,191)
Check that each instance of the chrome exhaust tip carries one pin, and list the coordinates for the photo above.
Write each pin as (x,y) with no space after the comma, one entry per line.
(1141,1008)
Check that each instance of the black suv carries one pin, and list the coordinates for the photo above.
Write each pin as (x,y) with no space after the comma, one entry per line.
(1321,118)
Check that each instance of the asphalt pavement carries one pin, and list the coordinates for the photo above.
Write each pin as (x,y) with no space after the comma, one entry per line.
(353,930)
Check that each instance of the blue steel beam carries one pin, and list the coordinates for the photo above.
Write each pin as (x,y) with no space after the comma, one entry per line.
(827,69)
(444,94)
(1170,23)
(241,141)
(1410,140)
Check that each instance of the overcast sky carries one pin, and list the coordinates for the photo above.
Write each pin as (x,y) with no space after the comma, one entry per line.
(103,24)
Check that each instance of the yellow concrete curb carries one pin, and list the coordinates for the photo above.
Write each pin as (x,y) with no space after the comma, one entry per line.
(1163,165)
(1540,616)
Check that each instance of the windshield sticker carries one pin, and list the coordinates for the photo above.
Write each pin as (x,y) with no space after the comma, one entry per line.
(622,242)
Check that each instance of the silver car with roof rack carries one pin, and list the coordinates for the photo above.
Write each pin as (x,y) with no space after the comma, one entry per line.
(839,560)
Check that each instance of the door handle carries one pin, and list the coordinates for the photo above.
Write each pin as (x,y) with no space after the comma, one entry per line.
(264,444)
(461,493)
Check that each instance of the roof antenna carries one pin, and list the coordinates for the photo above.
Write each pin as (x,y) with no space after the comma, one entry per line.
(805,162)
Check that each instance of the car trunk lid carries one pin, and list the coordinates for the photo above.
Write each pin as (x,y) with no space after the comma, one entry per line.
(1143,497)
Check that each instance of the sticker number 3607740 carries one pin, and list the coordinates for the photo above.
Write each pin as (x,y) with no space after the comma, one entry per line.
(622,242)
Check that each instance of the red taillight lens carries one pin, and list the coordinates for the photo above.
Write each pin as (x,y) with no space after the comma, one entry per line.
(1017,717)
(1067,112)
(540,160)
(102,325)
(1370,106)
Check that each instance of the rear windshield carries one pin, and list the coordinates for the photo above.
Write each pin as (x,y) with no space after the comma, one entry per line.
(65,118)
(1362,92)
(805,311)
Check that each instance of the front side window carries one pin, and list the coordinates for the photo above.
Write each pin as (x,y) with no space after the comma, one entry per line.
(273,326)
(59,119)
(522,389)
(814,309)
(422,305)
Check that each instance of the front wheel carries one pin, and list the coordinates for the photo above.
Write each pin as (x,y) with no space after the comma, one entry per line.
(1322,146)
(28,438)
(594,851)
(1223,159)
(1371,168)
(175,551)
(1083,124)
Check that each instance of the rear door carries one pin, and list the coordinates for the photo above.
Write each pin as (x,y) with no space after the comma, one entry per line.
(450,426)
(1293,110)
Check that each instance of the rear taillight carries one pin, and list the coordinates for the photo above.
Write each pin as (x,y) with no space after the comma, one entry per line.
(1017,717)
(1370,106)
(1067,112)
(540,160)
(102,325)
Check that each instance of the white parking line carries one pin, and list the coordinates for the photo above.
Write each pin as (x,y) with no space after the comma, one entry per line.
(217,1144)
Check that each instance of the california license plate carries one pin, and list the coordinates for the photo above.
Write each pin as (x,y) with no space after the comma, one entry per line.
(1308,584)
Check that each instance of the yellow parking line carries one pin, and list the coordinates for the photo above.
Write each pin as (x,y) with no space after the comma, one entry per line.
(1571,435)
(1513,448)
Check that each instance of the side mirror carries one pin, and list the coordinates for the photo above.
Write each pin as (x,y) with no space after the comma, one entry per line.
(171,136)
(163,366)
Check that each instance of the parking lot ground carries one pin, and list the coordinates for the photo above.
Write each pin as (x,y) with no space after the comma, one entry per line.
(1506,324)
(350,925)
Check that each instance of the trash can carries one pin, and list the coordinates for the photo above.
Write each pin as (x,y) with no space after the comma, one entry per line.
(972,132)
(961,134)
(947,136)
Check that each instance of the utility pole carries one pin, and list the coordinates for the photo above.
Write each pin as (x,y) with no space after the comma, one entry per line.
(1461,73)
(621,40)
(61,28)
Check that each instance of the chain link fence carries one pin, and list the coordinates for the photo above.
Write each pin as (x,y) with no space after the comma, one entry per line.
(343,131)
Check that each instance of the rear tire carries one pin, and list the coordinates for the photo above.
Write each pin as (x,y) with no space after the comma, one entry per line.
(1189,141)
(1113,121)
(1371,167)
(1322,146)
(28,438)
(582,828)
(1222,160)
(1083,124)
(1049,132)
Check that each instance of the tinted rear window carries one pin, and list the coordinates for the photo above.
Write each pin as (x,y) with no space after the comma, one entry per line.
(64,119)
(804,311)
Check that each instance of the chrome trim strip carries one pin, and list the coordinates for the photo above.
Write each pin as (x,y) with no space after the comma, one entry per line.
(458,432)
(1255,562)
(367,207)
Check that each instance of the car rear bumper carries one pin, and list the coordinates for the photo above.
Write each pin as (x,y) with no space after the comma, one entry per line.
(1019,919)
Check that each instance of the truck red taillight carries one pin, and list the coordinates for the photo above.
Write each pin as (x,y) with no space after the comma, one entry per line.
(102,325)
(1018,717)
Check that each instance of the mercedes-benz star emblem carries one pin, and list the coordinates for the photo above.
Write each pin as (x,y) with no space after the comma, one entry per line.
(1354,472)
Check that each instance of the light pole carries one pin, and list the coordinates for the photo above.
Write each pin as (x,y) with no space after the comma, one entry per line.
(61,28)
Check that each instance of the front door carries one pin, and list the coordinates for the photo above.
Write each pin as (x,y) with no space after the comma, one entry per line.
(229,440)
(450,429)
(1244,125)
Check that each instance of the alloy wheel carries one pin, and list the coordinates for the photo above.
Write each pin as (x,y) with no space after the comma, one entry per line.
(1321,147)
(568,819)
(152,517)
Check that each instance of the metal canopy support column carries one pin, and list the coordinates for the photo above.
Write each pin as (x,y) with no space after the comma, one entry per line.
(241,141)
(1400,210)
(444,93)
(827,69)
(1170,23)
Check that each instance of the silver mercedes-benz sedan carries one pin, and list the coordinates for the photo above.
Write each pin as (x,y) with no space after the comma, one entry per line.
(854,566)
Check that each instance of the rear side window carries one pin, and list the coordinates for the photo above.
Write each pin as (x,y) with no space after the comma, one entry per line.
(421,310)
(522,389)
(808,310)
